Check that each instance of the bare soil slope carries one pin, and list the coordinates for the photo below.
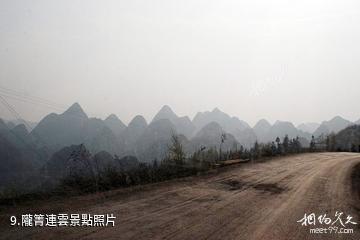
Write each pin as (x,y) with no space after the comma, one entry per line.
(250,201)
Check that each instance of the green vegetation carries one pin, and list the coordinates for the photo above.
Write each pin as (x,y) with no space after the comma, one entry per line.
(175,165)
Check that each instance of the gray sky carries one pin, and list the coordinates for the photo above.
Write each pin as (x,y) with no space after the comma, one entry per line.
(289,60)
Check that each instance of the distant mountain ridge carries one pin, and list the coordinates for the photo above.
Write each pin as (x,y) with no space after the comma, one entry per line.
(73,127)
(14,122)
(48,146)
(210,137)
(228,123)
(240,129)
(334,125)
(182,124)
(261,129)
(347,139)
(115,124)
(308,127)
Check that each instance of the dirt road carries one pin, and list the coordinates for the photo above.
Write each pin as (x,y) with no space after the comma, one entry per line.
(251,201)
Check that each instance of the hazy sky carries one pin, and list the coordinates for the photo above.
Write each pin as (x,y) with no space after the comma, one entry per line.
(288,60)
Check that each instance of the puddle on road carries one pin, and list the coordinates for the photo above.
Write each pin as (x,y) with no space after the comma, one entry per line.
(208,199)
(272,188)
(235,185)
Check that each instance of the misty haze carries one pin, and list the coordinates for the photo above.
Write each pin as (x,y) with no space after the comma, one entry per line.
(179,119)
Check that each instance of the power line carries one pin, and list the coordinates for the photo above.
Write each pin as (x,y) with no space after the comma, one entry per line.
(26,98)
(31,97)
(17,115)
(13,111)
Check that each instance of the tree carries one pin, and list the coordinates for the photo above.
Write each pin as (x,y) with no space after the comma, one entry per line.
(330,142)
(286,144)
(241,151)
(278,145)
(312,143)
(266,150)
(353,148)
(297,145)
(222,138)
(256,150)
(176,151)
(277,140)
(273,149)
(155,163)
